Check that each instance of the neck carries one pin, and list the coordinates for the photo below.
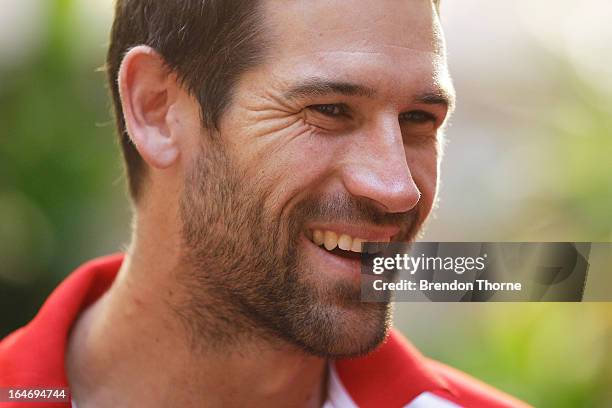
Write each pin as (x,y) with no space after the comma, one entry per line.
(130,349)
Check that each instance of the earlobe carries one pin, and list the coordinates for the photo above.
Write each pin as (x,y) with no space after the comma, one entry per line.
(147,90)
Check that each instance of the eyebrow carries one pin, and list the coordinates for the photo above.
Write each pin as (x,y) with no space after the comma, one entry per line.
(440,96)
(320,87)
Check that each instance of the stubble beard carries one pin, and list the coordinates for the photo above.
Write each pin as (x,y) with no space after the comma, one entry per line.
(245,279)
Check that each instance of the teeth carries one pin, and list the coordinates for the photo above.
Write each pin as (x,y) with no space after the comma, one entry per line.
(330,240)
(345,242)
(356,247)
(318,237)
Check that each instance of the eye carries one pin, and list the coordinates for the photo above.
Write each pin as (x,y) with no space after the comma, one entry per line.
(417,117)
(332,110)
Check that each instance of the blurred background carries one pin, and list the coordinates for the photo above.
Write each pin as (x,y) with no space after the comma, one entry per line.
(529,158)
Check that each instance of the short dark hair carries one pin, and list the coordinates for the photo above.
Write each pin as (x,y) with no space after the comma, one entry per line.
(207,43)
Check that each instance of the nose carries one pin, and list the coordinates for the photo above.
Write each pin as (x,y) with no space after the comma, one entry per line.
(376,168)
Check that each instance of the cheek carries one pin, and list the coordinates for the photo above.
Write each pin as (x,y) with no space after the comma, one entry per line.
(288,171)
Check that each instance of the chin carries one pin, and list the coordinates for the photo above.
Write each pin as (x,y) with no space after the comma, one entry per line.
(328,318)
(346,331)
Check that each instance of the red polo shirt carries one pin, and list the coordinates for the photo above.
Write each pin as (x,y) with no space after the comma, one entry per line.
(395,375)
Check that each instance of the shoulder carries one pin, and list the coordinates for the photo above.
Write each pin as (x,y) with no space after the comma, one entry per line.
(411,380)
(34,354)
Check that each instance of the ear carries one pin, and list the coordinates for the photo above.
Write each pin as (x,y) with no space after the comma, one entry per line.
(148,91)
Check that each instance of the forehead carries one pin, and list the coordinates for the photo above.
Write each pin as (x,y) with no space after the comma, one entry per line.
(321,24)
(383,41)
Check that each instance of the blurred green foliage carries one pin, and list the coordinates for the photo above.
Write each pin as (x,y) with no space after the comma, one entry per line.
(574,145)
(58,167)
(549,354)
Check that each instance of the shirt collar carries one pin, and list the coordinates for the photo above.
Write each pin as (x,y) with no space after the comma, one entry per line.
(395,372)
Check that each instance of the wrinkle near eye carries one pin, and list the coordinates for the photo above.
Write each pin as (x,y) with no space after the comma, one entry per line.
(278,127)
(323,122)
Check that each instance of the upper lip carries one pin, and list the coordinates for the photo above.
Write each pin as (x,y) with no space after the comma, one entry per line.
(367,232)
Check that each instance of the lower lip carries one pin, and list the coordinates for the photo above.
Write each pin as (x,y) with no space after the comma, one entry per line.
(330,264)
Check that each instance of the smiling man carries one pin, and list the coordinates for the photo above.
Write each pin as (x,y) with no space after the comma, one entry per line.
(264,141)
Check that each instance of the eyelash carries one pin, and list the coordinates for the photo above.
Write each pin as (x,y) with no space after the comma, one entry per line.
(339,110)
(423,117)
(328,109)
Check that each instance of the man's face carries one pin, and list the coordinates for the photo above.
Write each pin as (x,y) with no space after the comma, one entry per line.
(333,138)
